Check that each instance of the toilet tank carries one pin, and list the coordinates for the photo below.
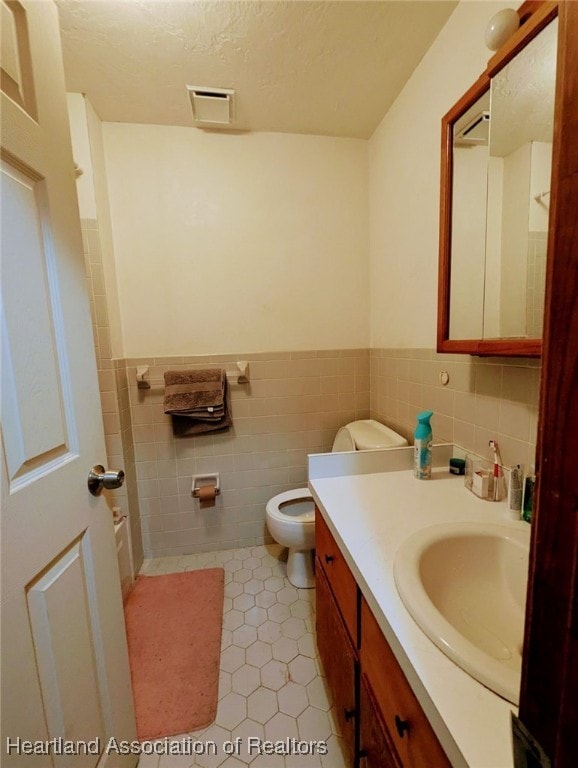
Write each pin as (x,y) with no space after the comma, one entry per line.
(366,435)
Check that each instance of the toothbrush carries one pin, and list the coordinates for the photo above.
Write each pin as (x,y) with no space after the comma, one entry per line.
(497,461)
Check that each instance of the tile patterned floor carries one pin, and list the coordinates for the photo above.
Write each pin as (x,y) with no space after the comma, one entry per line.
(271,685)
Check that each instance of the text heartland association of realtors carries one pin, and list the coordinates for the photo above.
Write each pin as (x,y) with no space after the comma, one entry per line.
(252,745)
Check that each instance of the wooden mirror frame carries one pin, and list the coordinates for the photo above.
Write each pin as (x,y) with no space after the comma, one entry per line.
(534,16)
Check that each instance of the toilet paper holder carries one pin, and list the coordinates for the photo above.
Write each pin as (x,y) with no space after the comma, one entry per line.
(196,484)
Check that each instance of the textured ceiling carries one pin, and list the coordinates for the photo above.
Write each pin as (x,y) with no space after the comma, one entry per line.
(329,68)
(523,96)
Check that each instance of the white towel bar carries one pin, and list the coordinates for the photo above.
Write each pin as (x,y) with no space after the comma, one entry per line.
(238,376)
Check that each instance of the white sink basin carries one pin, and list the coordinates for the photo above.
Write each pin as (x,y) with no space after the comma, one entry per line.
(465,586)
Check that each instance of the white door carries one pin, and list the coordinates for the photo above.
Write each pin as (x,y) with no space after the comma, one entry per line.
(64,658)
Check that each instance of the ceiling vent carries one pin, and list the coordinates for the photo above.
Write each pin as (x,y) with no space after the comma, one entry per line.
(476,130)
(212,106)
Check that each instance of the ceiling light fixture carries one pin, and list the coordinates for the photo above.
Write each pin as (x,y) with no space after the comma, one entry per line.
(500,27)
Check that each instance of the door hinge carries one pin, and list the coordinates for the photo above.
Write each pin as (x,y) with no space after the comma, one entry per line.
(527,752)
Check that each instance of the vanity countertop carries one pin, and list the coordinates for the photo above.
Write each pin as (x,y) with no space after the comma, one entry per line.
(370,515)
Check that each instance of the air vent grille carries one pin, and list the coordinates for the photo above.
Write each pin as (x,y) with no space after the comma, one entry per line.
(476,131)
(212,106)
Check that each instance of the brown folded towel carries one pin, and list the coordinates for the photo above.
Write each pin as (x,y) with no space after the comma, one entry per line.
(197,401)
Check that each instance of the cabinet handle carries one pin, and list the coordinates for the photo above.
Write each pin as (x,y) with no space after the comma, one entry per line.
(329,558)
(349,714)
(401,725)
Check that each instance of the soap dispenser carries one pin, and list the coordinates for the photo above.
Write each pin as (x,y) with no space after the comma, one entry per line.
(422,446)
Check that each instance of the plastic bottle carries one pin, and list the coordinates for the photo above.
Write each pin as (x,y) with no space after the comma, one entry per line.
(529,498)
(515,492)
(422,446)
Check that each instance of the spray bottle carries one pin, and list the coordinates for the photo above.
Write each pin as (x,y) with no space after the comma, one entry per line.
(422,446)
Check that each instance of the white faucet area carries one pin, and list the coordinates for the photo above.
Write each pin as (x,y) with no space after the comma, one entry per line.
(373,509)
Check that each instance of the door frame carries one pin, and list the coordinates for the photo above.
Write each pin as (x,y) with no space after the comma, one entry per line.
(549,698)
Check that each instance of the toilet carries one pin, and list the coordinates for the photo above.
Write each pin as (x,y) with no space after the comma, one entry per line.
(291,515)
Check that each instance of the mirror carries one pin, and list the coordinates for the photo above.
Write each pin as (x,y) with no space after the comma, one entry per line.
(495,204)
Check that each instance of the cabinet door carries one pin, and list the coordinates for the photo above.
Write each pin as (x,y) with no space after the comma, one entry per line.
(411,733)
(375,750)
(339,576)
(338,658)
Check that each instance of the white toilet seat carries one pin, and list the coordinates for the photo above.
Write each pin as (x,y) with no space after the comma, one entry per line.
(275,506)
(290,516)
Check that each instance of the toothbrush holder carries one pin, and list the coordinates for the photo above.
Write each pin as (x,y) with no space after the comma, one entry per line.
(480,480)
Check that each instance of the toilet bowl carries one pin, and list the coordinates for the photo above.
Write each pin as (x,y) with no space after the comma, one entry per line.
(291,522)
(291,515)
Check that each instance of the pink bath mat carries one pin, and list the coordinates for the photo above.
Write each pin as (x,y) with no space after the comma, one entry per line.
(173,626)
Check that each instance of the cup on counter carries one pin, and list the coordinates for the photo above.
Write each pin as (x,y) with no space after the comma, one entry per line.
(481,478)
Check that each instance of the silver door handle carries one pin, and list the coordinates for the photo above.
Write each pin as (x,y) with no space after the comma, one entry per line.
(99,478)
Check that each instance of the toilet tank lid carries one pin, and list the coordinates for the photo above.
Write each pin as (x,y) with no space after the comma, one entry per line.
(369,434)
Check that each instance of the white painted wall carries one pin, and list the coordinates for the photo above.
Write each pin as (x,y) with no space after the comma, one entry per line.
(514,251)
(493,277)
(540,181)
(93,203)
(104,225)
(226,242)
(231,242)
(513,181)
(404,173)
(468,244)
(81,154)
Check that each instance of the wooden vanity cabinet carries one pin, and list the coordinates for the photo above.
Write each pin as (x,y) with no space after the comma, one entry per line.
(339,660)
(410,733)
(380,717)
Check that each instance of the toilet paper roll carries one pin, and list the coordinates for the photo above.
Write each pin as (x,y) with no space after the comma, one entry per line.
(206,493)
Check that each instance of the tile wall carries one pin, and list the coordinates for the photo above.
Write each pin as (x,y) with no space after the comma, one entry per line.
(486,398)
(293,405)
(113,391)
